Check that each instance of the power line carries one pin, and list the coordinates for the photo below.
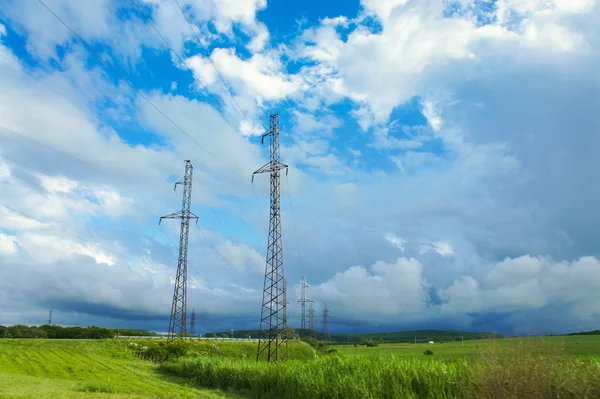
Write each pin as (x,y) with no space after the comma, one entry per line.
(258,208)
(49,147)
(74,184)
(218,256)
(294,224)
(211,61)
(149,21)
(91,49)
(84,109)
(178,320)
(89,242)
(273,317)
(66,232)
(183,63)
(213,248)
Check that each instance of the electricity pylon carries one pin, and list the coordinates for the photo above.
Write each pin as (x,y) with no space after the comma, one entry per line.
(177,322)
(311,317)
(193,323)
(325,323)
(273,311)
(303,301)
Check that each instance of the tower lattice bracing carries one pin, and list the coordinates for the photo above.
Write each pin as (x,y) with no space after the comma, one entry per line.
(311,317)
(193,323)
(177,322)
(272,344)
(325,323)
(303,301)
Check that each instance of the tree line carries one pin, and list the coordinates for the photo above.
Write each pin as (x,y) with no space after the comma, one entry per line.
(58,332)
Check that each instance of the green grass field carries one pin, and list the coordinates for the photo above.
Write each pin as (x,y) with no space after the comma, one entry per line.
(580,345)
(546,367)
(36,368)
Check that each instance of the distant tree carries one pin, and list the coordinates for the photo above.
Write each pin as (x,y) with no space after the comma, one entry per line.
(289,333)
(213,335)
(311,341)
(224,335)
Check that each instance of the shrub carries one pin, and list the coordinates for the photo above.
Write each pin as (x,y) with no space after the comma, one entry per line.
(372,344)
(428,352)
(162,351)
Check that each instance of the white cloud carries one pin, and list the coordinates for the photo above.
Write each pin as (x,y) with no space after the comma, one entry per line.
(396,241)
(412,160)
(375,294)
(48,249)
(432,115)
(412,52)
(2,30)
(241,257)
(173,86)
(323,125)
(441,247)
(529,282)
(7,245)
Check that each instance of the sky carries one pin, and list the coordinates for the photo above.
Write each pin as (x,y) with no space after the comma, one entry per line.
(442,161)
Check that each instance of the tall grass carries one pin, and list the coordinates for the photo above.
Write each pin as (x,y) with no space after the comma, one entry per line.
(327,377)
(521,371)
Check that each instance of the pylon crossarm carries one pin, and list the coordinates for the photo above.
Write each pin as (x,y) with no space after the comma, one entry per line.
(271,167)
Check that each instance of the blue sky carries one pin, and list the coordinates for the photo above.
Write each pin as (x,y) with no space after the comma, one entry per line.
(441,152)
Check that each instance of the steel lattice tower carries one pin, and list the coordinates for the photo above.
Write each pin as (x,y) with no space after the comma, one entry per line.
(177,323)
(311,317)
(325,322)
(50,318)
(273,311)
(303,301)
(193,323)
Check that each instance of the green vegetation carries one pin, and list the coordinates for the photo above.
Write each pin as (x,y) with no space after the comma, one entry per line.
(544,368)
(422,336)
(162,351)
(586,346)
(36,368)
(58,332)
(519,368)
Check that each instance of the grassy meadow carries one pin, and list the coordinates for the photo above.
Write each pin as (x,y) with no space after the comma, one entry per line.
(549,367)
(577,345)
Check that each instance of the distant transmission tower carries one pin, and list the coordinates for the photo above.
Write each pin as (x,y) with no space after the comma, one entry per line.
(311,317)
(273,312)
(303,301)
(177,323)
(193,323)
(50,318)
(325,323)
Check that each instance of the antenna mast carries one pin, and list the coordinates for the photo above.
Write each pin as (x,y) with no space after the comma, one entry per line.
(273,317)
(177,322)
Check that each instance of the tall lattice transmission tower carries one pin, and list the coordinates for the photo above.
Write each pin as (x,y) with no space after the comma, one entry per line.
(177,322)
(273,317)
(193,323)
(311,317)
(50,318)
(325,323)
(303,301)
